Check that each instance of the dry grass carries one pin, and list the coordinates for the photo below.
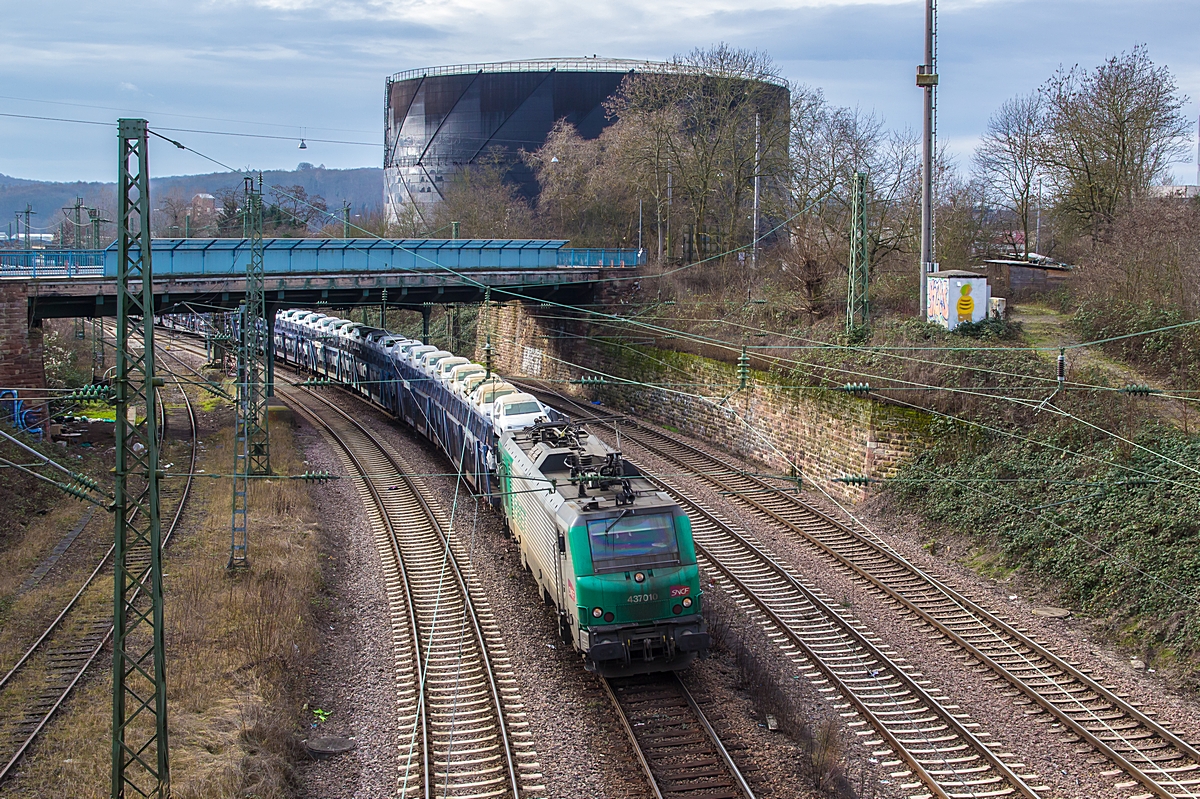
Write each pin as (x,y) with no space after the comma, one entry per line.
(237,647)
(36,517)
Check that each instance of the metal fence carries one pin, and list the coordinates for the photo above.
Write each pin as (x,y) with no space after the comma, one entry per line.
(51,263)
(595,256)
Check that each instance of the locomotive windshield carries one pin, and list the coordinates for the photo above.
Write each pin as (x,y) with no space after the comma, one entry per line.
(631,541)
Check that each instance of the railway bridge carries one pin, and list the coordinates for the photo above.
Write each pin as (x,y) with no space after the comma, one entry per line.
(202,274)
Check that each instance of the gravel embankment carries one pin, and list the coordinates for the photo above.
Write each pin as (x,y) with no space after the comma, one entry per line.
(351,676)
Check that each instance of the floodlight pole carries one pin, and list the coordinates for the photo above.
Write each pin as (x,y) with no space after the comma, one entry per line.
(139,733)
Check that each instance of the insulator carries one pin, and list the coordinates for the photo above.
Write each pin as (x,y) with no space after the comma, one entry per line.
(857,388)
(743,370)
(73,491)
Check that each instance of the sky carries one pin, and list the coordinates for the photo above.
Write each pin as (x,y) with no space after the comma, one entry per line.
(316,68)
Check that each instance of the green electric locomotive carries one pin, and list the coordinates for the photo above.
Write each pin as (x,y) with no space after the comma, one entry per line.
(610,551)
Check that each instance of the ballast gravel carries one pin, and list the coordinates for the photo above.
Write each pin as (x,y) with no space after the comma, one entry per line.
(582,751)
(352,684)
(1070,768)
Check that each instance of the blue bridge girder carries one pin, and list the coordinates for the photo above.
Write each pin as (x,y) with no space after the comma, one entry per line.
(209,274)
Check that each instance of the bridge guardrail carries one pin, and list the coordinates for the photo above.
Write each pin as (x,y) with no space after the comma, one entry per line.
(51,263)
(224,257)
(600,256)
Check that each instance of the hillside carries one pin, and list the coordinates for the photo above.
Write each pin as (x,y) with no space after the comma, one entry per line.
(362,188)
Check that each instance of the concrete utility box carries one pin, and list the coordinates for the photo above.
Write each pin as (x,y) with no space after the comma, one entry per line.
(956,296)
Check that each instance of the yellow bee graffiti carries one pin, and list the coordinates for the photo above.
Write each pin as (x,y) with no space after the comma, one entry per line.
(965,305)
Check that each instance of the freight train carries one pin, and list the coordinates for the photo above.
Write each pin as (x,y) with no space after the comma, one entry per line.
(612,553)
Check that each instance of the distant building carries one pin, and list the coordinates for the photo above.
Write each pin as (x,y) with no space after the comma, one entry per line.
(203,205)
(1175,192)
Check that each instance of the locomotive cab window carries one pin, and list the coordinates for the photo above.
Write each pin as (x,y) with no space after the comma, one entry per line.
(630,541)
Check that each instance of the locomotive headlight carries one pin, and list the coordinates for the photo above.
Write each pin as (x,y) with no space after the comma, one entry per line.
(597,612)
(639,577)
(687,601)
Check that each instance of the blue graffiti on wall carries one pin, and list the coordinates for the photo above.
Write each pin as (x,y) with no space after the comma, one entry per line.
(16,412)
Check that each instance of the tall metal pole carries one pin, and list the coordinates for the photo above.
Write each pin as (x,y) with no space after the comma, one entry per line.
(858,309)
(97,349)
(1037,247)
(927,79)
(639,226)
(252,453)
(139,734)
(28,212)
(257,330)
(757,170)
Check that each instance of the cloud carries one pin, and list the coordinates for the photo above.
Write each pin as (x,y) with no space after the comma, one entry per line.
(274,66)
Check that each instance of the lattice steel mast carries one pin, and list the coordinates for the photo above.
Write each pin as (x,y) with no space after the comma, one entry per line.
(252,453)
(858,309)
(139,736)
(98,359)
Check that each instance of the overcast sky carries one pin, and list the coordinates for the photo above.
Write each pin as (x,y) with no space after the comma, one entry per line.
(283,67)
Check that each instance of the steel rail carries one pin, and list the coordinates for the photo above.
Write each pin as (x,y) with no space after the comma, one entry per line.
(712,735)
(823,662)
(672,681)
(394,542)
(633,741)
(1074,711)
(98,647)
(460,581)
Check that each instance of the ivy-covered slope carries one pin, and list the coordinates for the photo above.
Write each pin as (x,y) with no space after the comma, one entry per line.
(1120,534)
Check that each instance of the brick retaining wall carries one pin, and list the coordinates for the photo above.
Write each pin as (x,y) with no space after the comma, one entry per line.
(825,434)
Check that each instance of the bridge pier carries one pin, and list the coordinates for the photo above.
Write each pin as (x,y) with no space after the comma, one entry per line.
(21,350)
(21,356)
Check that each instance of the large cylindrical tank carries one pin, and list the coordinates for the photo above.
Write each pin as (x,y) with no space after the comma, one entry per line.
(441,118)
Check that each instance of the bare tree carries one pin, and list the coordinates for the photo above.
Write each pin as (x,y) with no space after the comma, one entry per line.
(170,215)
(292,208)
(1111,133)
(829,145)
(1007,159)
(701,116)
(483,202)
(229,212)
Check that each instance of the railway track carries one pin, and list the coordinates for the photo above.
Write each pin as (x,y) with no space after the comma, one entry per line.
(69,646)
(1153,757)
(935,744)
(676,746)
(463,732)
